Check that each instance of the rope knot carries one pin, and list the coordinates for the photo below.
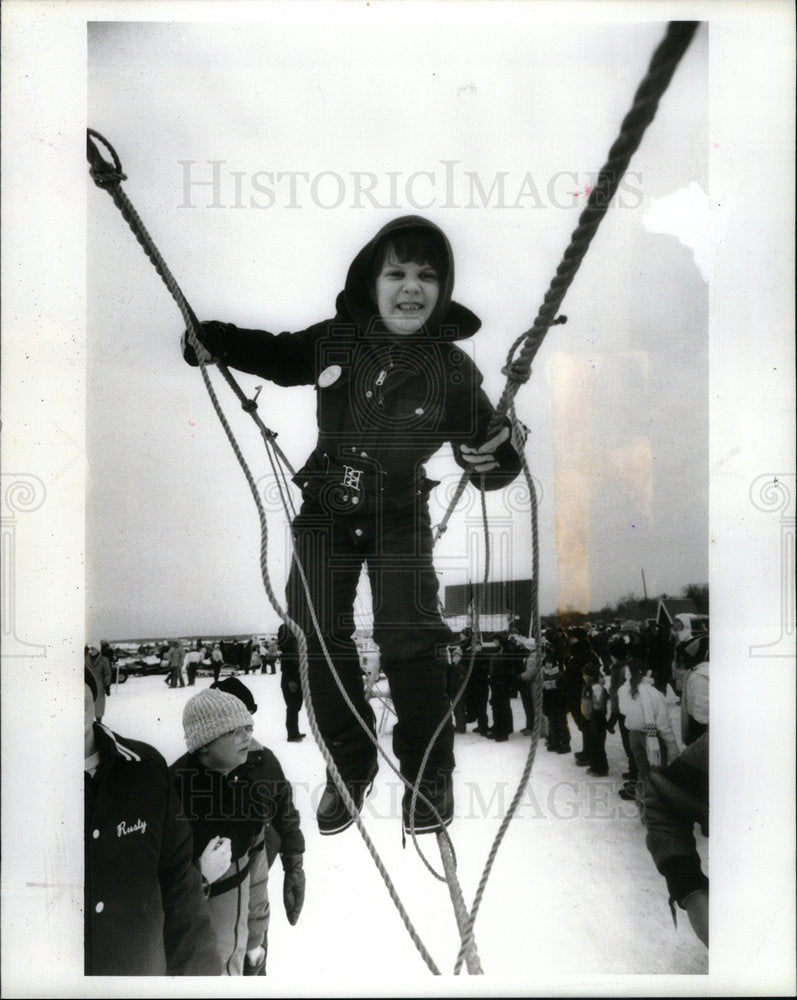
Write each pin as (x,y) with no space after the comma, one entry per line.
(107,178)
(516,372)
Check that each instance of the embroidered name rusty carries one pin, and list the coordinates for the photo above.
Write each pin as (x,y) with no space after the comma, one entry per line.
(139,826)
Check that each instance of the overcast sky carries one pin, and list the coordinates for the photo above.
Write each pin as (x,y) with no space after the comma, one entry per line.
(313,139)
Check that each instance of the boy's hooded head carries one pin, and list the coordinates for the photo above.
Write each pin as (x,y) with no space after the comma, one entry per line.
(402,281)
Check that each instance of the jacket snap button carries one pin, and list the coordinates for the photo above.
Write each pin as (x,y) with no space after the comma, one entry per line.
(355,499)
(368,394)
(96,834)
(358,532)
(363,454)
(419,411)
(99,907)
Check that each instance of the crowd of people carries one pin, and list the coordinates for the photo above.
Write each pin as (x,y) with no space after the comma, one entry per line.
(595,680)
(610,677)
(200,836)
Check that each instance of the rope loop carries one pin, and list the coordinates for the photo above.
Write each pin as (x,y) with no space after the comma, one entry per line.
(104,174)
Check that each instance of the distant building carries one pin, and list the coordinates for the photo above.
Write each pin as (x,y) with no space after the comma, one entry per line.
(501,603)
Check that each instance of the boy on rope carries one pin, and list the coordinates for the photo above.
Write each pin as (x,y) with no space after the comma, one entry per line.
(391,388)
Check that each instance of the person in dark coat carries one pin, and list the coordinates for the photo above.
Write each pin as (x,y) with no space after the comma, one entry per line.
(553,704)
(594,701)
(145,911)
(579,654)
(271,798)
(502,680)
(101,669)
(392,386)
(216,781)
(477,692)
(290,683)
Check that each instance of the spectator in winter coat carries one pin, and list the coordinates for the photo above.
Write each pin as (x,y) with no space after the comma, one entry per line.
(270,655)
(175,658)
(553,704)
(145,910)
(392,387)
(647,718)
(272,800)
(659,656)
(620,647)
(477,693)
(520,647)
(101,669)
(502,680)
(580,653)
(290,683)
(593,711)
(675,799)
(217,660)
(213,782)
(192,663)
(694,696)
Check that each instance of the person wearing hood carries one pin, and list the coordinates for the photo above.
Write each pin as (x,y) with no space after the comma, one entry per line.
(392,386)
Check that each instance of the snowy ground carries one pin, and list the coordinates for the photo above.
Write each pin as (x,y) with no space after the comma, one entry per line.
(573,892)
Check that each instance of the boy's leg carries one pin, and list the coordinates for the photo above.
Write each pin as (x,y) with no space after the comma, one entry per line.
(412,637)
(330,568)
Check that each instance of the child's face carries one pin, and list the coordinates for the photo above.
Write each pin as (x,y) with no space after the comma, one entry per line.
(406,294)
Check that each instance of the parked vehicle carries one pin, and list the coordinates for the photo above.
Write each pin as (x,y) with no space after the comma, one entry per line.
(140,666)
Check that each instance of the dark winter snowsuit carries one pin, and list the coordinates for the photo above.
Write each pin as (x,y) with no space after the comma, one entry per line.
(385,405)
(145,910)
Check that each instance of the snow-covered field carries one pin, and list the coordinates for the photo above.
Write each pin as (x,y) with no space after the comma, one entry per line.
(573,894)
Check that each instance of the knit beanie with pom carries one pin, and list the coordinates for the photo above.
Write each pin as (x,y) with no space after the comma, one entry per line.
(211,714)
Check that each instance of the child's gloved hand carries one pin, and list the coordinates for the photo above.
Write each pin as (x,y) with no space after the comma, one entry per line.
(482,459)
(212,338)
(293,886)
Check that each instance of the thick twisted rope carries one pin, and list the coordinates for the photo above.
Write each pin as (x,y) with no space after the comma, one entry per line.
(643,110)
(466,933)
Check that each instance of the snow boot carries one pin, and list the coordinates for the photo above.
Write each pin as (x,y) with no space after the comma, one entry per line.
(356,759)
(438,813)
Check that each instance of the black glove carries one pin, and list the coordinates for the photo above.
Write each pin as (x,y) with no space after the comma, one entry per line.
(293,886)
(108,689)
(212,336)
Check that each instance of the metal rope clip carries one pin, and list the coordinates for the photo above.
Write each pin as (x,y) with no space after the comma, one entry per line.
(250,405)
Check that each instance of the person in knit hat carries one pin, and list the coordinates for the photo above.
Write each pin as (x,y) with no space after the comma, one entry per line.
(213,782)
(272,796)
